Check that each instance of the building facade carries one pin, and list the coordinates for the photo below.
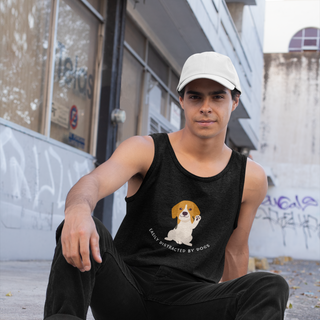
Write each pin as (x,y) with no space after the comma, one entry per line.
(288,221)
(68,66)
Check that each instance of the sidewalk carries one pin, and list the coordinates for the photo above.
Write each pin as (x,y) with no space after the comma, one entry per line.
(26,281)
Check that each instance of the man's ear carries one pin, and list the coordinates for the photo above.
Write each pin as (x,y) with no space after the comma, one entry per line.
(235,102)
(181,102)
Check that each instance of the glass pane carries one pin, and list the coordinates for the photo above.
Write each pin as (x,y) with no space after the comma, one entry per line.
(135,38)
(298,34)
(295,43)
(74,76)
(157,96)
(174,83)
(130,99)
(310,42)
(310,32)
(24,35)
(157,64)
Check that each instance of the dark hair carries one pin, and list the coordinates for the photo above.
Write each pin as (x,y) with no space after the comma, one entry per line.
(234,93)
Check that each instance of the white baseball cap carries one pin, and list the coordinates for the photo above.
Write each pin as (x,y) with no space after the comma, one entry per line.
(209,65)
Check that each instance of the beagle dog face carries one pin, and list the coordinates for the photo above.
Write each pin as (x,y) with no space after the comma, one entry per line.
(185,210)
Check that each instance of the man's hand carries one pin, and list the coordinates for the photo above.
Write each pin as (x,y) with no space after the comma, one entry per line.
(79,235)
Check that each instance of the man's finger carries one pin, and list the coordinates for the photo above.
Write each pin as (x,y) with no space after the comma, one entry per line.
(74,253)
(85,253)
(66,251)
(94,245)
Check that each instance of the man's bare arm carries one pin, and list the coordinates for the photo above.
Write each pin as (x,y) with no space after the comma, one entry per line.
(79,233)
(237,250)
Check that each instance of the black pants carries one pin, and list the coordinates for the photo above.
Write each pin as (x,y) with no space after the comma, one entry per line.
(115,290)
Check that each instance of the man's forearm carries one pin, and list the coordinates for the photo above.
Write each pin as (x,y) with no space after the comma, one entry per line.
(236,265)
(83,194)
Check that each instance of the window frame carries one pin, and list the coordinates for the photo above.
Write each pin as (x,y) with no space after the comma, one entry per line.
(147,68)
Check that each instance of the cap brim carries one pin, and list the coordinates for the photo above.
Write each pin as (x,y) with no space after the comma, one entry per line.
(218,79)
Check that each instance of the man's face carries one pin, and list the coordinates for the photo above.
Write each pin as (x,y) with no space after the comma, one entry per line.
(207,106)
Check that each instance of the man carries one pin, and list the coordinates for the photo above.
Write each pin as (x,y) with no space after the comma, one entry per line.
(182,249)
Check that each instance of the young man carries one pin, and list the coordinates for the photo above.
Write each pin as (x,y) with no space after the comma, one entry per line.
(182,249)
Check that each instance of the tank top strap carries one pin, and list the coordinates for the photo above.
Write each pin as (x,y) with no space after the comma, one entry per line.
(160,144)
(242,161)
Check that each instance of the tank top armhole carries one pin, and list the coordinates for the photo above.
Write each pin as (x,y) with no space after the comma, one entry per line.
(149,172)
(241,186)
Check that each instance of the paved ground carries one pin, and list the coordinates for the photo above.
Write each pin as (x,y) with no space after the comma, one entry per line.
(303,278)
(23,287)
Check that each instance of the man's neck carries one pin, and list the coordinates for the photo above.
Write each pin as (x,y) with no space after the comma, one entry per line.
(198,148)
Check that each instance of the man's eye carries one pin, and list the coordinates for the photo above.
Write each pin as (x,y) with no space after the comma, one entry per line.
(218,97)
(193,97)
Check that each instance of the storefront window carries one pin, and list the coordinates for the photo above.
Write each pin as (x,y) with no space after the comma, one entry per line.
(74,75)
(24,37)
(175,114)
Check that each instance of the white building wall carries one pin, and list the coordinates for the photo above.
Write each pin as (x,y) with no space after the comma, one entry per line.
(284,18)
(35,177)
(288,221)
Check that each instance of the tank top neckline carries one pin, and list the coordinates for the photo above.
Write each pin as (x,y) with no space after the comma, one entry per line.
(189,174)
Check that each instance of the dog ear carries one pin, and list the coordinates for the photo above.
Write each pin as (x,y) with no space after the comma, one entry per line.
(195,210)
(175,210)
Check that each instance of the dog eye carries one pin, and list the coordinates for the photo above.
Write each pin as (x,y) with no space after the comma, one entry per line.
(190,209)
(180,208)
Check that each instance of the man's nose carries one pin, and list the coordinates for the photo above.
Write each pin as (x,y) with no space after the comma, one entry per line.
(206,107)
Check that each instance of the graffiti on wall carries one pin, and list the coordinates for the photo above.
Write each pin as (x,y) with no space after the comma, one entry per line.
(35,178)
(290,213)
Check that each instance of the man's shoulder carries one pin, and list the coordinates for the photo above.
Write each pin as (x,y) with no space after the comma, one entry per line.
(138,150)
(255,178)
(138,143)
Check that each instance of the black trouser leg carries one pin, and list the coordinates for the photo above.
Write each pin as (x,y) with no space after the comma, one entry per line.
(176,295)
(264,298)
(108,287)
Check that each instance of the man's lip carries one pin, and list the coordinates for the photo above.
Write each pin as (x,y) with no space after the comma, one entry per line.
(205,121)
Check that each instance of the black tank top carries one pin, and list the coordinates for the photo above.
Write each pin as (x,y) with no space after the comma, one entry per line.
(181,220)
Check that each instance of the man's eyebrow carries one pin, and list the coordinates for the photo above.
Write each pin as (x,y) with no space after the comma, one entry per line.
(218,92)
(210,93)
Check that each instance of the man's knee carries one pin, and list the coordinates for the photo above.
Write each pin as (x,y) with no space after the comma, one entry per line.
(272,283)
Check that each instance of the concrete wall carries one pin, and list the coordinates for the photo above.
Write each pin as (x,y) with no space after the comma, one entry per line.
(288,222)
(35,178)
(284,18)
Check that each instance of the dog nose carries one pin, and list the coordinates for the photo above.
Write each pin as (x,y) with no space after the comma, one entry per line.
(185,213)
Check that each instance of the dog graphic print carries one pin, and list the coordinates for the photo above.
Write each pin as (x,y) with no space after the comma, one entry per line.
(188,218)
